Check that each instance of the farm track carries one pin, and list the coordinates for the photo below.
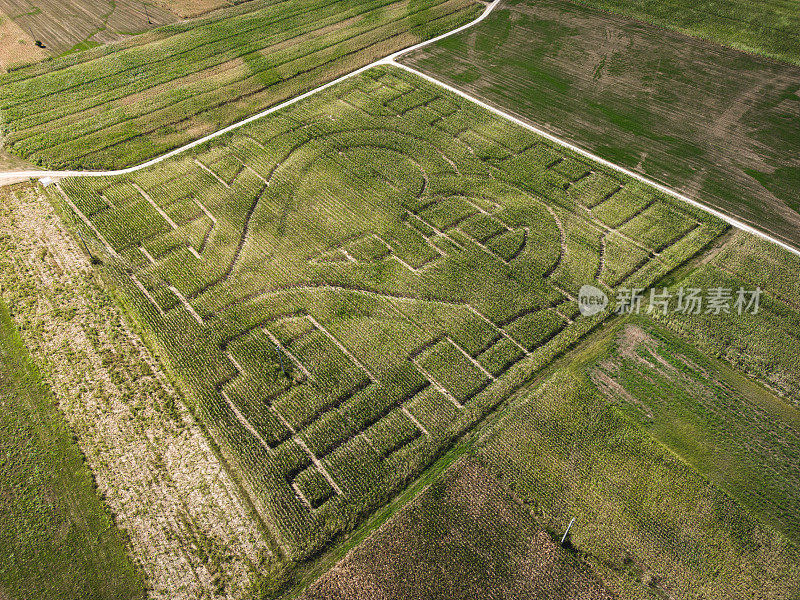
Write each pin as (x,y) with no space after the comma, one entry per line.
(345,418)
(296,76)
(391,60)
(323,460)
(387,60)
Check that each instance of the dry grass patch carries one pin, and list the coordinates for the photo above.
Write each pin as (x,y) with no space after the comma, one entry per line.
(188,525)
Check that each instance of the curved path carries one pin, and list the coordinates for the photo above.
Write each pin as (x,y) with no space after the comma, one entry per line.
(15,176)
(41,173)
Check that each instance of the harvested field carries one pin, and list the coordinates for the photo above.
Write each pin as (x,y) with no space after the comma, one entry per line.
(72,25)
(720,125)
(649,525)
(124,103)
(351,284)
(16,46)
(465,537)
(744,439)
(188,525)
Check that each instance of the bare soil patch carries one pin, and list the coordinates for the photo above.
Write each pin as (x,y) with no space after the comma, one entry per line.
(9,162)
(61,25)
(16,46)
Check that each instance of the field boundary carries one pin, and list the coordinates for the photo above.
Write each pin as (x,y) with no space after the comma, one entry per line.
(51,174)
(606,163)
(47,176)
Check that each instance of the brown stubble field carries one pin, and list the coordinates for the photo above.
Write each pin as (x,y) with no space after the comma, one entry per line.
(63,25)
(466,536)
(720,125)
(16,46)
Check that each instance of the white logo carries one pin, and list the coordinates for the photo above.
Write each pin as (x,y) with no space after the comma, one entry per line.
(591,300)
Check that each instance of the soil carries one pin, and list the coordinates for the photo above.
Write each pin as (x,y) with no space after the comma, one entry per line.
(193,8)
(9,162)
(62,24)
(16,46)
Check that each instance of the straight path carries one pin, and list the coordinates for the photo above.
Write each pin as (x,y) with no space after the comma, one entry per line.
(578,150)
(47,176)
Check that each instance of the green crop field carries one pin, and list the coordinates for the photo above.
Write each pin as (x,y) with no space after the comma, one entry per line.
(718,124)
(57,538)
(349,285)
(765,346)
(464,537)
(744,439)
(648,524)
(123,103)
(347,358)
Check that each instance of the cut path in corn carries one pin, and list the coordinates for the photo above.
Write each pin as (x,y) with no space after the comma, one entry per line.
(47,176)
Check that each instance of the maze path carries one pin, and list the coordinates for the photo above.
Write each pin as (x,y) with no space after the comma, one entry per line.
(359,280)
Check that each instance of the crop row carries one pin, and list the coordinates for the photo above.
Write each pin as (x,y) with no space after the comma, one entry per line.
(226,69)
(350,285)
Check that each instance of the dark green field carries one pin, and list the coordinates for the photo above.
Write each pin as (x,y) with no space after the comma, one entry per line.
(718,124)
(57,539)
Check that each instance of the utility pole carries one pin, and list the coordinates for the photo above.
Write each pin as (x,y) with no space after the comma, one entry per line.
(147,14)
(566,533)
(89,252)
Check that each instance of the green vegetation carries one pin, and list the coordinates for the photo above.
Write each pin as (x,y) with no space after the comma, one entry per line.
(127,102)
(329,283)
(354,284)
(766,346)
(58,540)
(81,46)
(768,27)
(716,123)
(744,439)
(649,525)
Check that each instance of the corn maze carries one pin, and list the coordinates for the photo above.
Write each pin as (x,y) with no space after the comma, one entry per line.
(351,284)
